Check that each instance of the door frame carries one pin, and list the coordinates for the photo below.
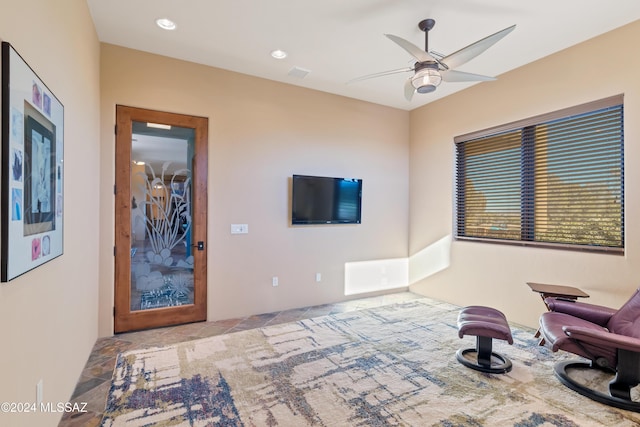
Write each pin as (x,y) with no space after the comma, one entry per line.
(124,318)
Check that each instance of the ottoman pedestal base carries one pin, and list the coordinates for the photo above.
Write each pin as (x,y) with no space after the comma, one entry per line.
(485,323)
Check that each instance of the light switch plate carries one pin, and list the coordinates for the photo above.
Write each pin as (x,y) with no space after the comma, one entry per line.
(239,228)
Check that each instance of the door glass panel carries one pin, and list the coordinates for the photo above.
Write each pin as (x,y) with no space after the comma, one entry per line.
(161,247)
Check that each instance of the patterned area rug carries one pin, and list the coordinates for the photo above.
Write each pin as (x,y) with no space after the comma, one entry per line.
(388,366)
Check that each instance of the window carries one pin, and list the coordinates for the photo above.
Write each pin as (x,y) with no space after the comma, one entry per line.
(554,180)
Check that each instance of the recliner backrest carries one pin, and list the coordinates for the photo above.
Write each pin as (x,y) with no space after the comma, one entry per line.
(626,321)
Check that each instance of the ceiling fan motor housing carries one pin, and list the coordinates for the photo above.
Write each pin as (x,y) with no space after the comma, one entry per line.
(427,77)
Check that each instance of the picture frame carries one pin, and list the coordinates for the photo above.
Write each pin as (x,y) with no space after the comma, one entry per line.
(32,169)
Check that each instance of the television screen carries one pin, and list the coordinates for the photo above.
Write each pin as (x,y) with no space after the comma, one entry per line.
(324,200)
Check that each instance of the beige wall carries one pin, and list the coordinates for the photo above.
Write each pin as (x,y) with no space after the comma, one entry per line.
(260,133)
(478,273)
(48,317)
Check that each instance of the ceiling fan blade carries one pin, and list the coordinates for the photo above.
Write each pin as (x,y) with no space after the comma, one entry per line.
(460,76)
(383,73)
(409,90)
(413,50)
(468,53)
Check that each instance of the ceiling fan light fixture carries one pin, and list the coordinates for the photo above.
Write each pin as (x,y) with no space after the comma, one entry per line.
(426,80)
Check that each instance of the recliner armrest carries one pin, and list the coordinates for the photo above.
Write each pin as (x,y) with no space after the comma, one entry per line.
(603,338)
(597,314)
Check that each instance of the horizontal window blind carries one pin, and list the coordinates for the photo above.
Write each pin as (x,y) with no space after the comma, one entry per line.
(556,182)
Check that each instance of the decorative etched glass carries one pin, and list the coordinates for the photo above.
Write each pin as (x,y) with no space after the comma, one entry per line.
(161,258)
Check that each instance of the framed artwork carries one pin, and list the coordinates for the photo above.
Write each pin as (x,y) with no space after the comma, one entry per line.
(32,169)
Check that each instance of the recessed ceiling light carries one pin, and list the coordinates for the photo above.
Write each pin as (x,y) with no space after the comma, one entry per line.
(166,24)
(278,54)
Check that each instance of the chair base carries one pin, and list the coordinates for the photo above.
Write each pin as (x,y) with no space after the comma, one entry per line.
(487,366)
(617,402)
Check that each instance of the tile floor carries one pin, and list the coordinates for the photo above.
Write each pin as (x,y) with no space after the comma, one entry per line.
(93,384)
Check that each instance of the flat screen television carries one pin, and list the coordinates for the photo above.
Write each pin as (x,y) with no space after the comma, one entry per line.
(325,200)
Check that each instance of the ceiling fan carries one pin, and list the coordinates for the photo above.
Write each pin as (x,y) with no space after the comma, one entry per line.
(432,67)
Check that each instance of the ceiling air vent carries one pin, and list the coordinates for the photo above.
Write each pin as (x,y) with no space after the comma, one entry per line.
(298,72)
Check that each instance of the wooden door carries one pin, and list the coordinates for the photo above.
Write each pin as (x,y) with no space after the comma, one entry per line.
(160,219)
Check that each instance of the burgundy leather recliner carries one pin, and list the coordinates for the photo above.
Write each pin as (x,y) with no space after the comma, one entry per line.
(608,338)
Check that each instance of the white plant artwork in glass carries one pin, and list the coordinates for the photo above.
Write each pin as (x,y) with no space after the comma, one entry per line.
(166,214)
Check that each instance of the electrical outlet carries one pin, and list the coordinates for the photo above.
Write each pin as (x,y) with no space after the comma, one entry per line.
(274,281)
(318,277)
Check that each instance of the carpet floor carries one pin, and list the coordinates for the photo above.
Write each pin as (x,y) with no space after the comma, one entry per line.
(387,366)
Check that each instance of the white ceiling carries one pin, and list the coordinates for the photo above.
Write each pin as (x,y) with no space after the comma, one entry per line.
(339,40)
